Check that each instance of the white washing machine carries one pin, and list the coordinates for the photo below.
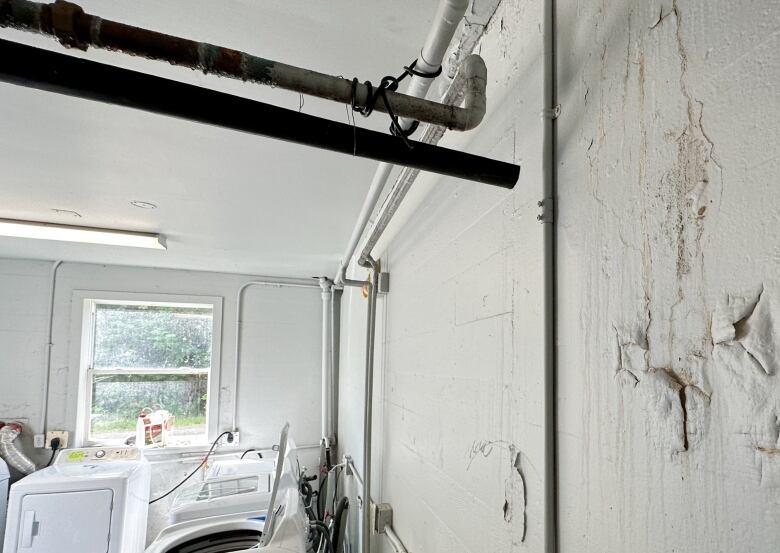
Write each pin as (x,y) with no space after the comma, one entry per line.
(5,476)
(230,486)
(91,500)
(227,512)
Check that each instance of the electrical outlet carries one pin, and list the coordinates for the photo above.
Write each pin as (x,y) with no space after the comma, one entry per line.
(223,441)
(61,434)
(39,441)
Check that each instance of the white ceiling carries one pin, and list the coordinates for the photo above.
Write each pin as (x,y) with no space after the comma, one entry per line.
(227,201)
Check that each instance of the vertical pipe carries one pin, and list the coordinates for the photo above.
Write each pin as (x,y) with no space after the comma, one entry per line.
(550,282)
(369,404)
(326,286)
(49,344)
(335,340)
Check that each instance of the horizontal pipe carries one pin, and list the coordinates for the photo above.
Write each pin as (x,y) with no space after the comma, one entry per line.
(44,70)
(74,28)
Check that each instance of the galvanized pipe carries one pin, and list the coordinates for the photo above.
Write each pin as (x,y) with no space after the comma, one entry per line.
(369,402)
(44,70)
(76,29)
(326,286)
(368,399)
(49,345)
(550,277)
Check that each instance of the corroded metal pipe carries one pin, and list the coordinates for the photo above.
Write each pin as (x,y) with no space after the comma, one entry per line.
(76,29)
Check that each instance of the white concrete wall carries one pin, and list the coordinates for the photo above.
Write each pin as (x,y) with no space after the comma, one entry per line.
(280,362)
(669,283)
(668,172)
(458,436)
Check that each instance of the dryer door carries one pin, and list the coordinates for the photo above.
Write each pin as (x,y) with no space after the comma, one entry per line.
(68,521)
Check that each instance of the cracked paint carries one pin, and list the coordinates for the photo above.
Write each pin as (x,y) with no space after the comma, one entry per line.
(669,410)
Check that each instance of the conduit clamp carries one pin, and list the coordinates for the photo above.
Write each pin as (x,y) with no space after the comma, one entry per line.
(552,113)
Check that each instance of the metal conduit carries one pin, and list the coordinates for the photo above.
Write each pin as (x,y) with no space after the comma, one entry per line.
(76,29)
(548,219)
(44,70)
(278,282)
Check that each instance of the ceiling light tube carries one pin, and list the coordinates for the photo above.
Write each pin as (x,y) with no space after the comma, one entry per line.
(86,235)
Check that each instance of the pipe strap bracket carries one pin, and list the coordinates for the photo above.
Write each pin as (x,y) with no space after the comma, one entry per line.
(548,211)
(552,113)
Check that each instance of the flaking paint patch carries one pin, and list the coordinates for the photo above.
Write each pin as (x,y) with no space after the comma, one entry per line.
(675,407)
(515,502)
(745,346)
(514,494)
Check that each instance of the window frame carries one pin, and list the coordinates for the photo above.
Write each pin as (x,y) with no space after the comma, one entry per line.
(84,303)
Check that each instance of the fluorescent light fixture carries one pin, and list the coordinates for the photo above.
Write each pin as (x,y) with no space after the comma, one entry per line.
(87,235)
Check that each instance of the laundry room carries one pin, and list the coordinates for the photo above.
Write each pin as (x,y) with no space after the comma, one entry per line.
(389,277)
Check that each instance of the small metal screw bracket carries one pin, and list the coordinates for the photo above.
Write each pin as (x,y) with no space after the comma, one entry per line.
(552,113)
(546,216)
(382,517)
(383,283)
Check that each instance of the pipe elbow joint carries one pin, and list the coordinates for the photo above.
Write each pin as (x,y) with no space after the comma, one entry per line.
(475,97)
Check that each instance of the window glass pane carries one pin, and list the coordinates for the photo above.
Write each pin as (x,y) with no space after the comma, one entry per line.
(117,401)
(152,336)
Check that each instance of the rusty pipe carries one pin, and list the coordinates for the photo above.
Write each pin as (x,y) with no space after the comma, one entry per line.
(76,29)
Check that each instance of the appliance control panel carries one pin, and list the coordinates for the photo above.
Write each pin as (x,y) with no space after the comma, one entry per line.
(93,454)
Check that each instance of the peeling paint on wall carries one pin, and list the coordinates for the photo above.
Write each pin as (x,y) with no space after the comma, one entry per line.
(746,347)
(669,274)
(515,502)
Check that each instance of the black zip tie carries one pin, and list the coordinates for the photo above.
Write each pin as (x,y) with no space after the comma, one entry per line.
(390,83)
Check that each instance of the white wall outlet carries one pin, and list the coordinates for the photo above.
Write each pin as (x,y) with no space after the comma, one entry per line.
(61,434)
(39,441)
(223,441)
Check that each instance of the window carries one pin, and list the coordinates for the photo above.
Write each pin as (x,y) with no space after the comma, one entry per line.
(153,362)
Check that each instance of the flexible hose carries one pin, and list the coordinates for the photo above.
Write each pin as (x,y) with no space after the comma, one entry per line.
(342,506)
(10,452)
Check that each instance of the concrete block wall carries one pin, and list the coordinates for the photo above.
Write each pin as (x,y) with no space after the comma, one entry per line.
(669,269)
(458,436)
(669,277)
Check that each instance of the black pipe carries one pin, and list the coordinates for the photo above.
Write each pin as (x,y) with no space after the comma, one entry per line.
(54,72)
